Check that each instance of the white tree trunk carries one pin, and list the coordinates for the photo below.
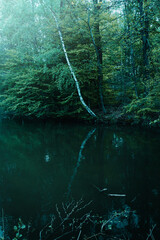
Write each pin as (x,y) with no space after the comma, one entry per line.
(71,70)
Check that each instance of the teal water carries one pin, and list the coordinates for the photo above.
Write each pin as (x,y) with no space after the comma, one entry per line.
(44,164)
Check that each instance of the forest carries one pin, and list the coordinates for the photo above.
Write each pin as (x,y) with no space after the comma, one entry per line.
(80,79)
(80,59)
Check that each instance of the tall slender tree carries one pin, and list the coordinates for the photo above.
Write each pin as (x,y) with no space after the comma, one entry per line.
(96,38)
(144,21)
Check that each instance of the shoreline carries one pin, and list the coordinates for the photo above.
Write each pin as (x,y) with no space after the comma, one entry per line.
(120,120)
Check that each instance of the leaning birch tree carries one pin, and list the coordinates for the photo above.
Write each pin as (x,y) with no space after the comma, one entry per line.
(69,64)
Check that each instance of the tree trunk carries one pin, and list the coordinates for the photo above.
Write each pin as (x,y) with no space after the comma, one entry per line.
(71,70)
(130,41)
(62,4)
(98,47)
(144,20)
(34,27)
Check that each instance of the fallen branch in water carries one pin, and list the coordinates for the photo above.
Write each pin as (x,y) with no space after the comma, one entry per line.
(104,190)
(116,195)
(100,190)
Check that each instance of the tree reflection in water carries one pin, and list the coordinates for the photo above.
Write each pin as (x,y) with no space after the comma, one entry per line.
(38,167)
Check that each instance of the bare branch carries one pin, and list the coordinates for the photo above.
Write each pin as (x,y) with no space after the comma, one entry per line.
(150,235)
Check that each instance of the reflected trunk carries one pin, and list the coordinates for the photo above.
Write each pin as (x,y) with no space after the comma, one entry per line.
(79,160)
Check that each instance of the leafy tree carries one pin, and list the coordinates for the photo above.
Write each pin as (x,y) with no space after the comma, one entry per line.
(113,48)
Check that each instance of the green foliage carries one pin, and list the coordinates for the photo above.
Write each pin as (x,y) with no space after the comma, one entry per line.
(35,78)
(146,108)
(33,90)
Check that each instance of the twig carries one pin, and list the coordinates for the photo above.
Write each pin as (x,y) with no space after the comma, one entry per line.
(87,216)
(100,190)
(79,234)
(151,233)
(94,236)
(73,210)
(69,204)
(86,205)
(3,222)
(63,235)
(107,221)
(133,199)
(47,225)
(64,208)
(59,214)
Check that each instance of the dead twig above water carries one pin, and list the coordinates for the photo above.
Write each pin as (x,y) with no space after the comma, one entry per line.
(100,190)
(104,190)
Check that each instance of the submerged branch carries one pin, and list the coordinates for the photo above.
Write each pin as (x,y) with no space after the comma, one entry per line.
(116,195)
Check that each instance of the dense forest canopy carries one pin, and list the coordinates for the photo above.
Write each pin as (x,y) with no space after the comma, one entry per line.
(112,46)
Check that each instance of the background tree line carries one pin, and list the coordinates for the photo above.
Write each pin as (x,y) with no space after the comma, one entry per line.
(113,47)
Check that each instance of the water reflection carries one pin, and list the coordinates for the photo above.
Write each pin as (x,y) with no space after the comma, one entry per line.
(47,158)
(79,160)
(117,141)
(39,164)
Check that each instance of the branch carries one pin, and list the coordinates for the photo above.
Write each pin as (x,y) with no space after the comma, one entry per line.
(151,232)
(79,234)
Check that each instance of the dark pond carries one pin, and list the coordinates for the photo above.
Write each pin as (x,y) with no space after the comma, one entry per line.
(42,165)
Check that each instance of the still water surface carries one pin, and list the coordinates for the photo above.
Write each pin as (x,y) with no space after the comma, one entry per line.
(44,164)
